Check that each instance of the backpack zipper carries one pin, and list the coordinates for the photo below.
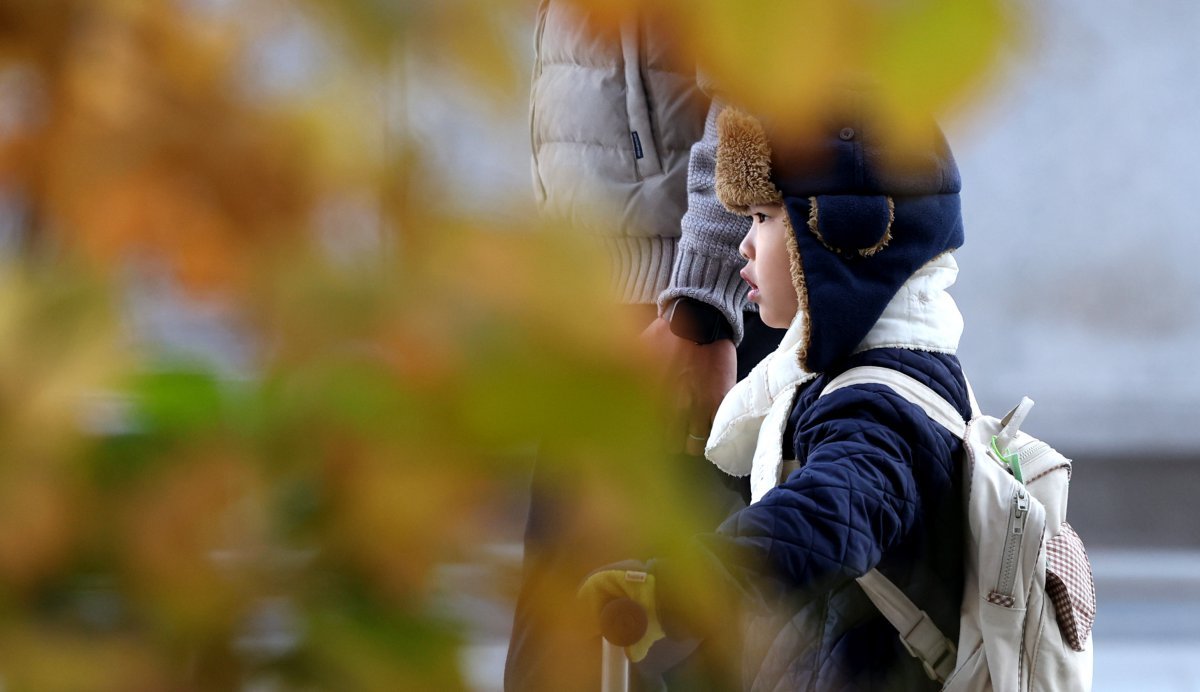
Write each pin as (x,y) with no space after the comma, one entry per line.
(1032,452)
(1021,462)
(1017,514)
(1037,459)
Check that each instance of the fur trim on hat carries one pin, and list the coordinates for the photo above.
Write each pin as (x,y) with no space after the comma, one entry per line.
(797,270)
(887,234)
(814,225)
(743,168)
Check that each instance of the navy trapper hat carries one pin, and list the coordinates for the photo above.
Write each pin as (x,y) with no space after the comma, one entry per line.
(865,213)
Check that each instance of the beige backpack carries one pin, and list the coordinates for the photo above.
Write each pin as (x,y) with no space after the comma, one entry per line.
(1029,599)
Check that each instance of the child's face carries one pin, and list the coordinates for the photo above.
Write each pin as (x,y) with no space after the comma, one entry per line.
(768,270)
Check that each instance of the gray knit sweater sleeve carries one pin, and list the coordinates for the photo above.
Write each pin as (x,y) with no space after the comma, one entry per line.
(707,263)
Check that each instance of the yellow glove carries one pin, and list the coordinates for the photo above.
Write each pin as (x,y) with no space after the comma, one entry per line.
(608,584)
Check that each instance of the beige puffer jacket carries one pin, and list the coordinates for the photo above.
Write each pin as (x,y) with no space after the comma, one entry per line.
(612,121)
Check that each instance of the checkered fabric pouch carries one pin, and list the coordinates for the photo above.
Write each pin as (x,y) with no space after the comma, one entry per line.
(1070,586)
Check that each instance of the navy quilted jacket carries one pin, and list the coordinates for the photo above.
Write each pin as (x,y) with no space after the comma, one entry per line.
(879,486)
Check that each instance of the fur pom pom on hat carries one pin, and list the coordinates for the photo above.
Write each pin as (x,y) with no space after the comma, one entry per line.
(743,169)
(865,214)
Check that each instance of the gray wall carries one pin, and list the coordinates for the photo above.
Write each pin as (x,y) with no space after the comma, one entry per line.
(1080,195)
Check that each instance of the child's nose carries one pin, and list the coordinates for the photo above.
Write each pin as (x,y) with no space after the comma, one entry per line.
(746,248)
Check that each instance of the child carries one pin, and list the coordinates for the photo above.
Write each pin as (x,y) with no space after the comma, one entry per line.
(850,249)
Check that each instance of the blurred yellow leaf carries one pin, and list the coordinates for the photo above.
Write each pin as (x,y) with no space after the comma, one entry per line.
(53,660)
(786,59)
(398,516)
(59,345)
(473,31)
(935,54)
(774,57)
(188,531)
(39,519)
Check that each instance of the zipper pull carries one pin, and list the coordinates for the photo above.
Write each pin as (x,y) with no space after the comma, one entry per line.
(1020,507)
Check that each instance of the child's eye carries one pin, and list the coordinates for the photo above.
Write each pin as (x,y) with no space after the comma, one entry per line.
(759,217)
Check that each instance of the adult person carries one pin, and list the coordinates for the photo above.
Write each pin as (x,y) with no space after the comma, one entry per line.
(615,120)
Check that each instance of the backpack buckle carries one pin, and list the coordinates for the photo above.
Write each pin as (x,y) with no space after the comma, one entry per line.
(939,669)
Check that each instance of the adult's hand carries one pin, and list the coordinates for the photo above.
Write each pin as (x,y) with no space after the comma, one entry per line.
(699,374)
(625,580)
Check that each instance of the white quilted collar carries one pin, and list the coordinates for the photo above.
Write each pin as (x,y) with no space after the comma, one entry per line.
(921,316)
(735,427)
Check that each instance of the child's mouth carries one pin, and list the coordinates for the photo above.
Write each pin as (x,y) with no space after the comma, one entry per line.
(753,296)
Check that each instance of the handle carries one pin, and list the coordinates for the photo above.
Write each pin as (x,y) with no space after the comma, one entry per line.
(614,671)
(623,622)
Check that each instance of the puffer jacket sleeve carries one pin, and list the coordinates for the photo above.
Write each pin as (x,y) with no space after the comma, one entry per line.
(857,496)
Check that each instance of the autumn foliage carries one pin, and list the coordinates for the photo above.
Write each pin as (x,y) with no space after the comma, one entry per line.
(272,509)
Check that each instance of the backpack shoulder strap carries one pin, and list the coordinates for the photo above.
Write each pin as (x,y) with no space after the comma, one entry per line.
(937,408)
(918,632)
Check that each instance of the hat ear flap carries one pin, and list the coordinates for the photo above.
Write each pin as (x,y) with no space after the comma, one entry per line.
(852,224)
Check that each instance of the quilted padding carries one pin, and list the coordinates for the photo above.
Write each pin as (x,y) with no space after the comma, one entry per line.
(878,486)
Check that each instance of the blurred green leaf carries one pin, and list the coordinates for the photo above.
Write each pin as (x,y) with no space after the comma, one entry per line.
(178,403)
(360,646)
